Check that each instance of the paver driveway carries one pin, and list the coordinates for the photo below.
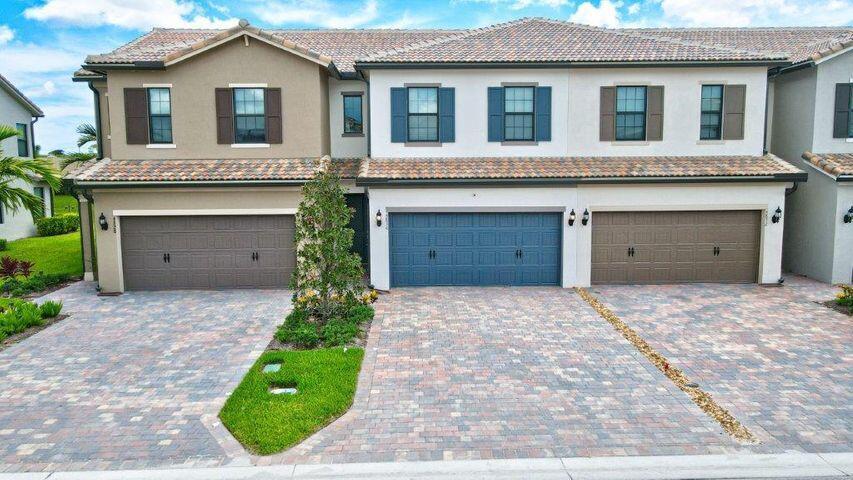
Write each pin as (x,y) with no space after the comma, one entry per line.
(126,381)
(779,362)
(464,373)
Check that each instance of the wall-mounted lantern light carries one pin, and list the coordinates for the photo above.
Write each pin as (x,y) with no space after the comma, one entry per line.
(102,221)
(585,218)
(777,215)
(848,217)
(572,217)
(379,218)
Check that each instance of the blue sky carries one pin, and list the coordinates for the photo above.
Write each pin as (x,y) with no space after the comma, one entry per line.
(43,41)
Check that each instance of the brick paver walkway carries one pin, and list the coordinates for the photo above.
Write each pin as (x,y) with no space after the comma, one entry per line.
(479,373)
(126,381)
(781,363)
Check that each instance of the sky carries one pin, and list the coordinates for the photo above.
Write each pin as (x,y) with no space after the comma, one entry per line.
(42,42)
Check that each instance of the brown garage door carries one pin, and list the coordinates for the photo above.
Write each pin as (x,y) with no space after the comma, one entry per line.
(207,252)
(675,247)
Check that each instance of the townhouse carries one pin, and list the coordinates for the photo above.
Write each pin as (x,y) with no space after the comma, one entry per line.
(534,152)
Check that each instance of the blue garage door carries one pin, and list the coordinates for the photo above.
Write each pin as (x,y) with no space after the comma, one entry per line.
(475,248)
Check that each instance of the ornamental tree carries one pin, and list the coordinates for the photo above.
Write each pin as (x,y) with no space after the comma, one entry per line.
(328,276)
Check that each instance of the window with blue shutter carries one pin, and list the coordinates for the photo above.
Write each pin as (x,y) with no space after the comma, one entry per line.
(399,111)
(496,114)
(519,113)
(423,114)
(446,115)
(543,114)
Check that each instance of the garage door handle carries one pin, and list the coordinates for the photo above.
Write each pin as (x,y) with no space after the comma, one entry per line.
(168,258)
(164,258)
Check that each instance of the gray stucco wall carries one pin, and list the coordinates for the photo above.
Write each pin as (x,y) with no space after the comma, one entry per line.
(833,71)
(793,114)
(12,112)
(842,271)
(16,224)
(809,239)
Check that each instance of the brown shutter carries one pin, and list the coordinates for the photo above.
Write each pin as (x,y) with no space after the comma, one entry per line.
(734,105)
(272,110)
(842,110)
(224,116)
(654,114)
(607,119)
(136,116)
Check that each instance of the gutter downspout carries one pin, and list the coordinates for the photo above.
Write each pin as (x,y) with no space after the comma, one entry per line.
(33,134)
(97,120)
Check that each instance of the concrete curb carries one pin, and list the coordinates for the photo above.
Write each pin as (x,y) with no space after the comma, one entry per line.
(751,466)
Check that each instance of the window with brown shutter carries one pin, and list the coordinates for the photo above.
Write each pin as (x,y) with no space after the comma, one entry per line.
(607,119)
(224,116)
(272,110)
(654,114)
(734,107)
(842,125)
(136,116)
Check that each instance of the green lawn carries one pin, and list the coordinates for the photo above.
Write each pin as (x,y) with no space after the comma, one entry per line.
(64,204)
(57,254)
(266,423)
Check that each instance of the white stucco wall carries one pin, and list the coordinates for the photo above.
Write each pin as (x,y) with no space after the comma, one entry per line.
(577,239)
(838,69)
(842,269)
(574,111)
(346,146)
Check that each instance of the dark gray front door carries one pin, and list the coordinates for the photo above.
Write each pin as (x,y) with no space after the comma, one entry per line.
(207,252)
(475,249)
(675,247)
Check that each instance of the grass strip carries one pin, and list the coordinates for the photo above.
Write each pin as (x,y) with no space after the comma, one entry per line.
(699,397)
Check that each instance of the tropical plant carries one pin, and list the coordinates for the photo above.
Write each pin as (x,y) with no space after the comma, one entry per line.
(8,267)
(13,168)
(88,134)
(328,276)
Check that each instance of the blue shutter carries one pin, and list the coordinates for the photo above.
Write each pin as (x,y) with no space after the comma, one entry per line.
(399,112)
(543,114)
(446,115)
(496,114)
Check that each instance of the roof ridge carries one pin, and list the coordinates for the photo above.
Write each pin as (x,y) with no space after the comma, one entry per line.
(444,39)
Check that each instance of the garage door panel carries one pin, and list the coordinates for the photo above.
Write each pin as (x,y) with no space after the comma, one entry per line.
(465,239)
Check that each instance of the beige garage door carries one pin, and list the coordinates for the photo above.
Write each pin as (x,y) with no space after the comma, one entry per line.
(675,247)
(207,252)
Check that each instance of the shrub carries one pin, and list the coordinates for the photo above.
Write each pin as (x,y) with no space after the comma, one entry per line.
(17,316)
(4,245)
(8,267)
(339,332)
(360,314)
(50,309)
(58,225)
(36,283)
(845,297)
(298,330)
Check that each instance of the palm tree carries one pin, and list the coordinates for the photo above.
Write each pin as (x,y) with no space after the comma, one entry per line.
(14,168)
(88,134)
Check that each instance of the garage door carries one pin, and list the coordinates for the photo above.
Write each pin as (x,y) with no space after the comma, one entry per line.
(207,252)
(475,248)
(675,247)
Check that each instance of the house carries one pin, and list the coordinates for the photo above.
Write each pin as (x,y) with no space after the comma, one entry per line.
(810,124)
(16,110)
(533,152)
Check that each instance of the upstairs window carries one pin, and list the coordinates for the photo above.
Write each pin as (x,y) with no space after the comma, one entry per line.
(249,116)
(711,126)
(39,192)
(630,113)
(23,142)
(160,115)
(518,113)
(353,123)
(423,114)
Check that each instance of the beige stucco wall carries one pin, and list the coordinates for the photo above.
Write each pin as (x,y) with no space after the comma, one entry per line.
(106,135)
(169,201)
(304,88)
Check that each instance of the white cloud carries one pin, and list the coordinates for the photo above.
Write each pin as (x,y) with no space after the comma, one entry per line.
(316,12)
(46,89)
(139,15)
(633,9)
(407,20)
(223,9)
(742,13)
(6,34)
(520,4)
(605,15)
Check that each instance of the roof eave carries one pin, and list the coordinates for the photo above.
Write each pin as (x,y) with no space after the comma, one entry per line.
(775,178)
(367,65)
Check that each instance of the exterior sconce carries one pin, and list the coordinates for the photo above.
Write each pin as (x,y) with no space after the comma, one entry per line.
(572,217)
(777,216)
(102,221)
(585,218)
(848,217)
(379,218)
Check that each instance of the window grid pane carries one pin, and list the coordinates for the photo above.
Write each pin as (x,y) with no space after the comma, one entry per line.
(249,116)
(352,114)
(630,113)
(712,112)
(23,149)
(159,115)
(423,114)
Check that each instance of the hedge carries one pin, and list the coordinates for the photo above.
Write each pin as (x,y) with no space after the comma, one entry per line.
(64,223)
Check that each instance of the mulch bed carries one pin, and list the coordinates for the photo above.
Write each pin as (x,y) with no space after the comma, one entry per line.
(832,304)
(18,337)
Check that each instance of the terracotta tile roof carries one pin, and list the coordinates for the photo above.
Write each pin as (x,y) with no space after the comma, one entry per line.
(226,170)
(343,46)
(797,44)
(544,40)
(580,168)
(835,164)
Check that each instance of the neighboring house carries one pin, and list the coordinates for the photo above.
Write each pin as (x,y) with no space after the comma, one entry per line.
(534,152)
(810,125)
(16,110)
